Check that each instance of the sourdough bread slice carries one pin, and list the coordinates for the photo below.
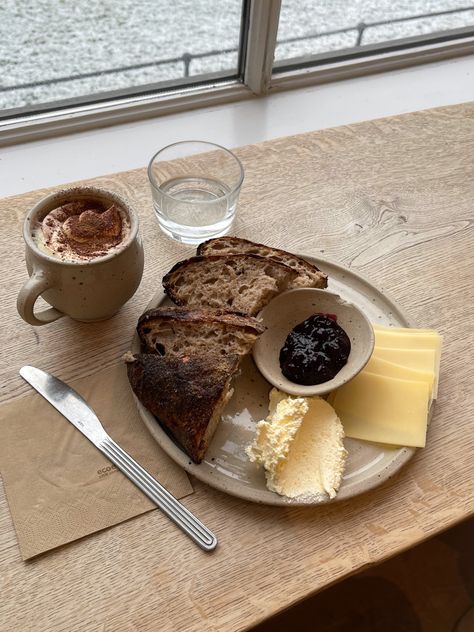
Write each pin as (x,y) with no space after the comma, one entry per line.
(187,395)
(308,274)
(175,331)
(238,283)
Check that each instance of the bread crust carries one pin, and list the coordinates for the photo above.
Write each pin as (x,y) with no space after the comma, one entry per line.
(187,395)
(309,274)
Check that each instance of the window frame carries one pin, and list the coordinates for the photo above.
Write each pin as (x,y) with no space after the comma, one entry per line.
(257,75)
(317,69)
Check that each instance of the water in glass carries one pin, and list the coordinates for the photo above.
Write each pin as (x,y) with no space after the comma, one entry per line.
(193,209)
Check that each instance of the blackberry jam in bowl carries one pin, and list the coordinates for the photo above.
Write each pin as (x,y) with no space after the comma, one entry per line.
(314,342)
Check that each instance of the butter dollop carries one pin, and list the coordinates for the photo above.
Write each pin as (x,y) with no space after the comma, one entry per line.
(300,445)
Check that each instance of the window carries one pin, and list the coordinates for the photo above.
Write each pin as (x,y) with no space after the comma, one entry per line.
(62,50)
(72,64)
(354,25)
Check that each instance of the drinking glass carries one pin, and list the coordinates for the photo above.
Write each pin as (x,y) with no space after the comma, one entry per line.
(195,187)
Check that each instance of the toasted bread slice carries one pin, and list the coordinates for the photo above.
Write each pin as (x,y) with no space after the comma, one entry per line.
(177,331)
(237,283)
(187,394)
(308,274)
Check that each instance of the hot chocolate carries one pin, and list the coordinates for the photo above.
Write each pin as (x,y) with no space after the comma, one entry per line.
(82,230)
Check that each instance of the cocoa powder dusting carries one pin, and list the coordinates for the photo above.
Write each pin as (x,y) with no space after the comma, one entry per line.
(84,229)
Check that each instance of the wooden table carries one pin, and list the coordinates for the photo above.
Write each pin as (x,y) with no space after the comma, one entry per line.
(391,198)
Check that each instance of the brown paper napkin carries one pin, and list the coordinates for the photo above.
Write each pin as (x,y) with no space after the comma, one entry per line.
(59,486)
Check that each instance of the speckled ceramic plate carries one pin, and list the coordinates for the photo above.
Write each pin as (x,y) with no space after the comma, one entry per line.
(226,466)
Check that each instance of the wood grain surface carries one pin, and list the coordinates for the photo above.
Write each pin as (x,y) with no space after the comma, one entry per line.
(392,199)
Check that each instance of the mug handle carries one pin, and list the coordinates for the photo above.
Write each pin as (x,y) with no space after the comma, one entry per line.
(38,283)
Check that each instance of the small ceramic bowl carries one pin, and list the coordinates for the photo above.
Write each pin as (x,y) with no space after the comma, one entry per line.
(289,309)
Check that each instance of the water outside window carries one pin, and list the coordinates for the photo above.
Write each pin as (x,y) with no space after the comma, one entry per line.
(310,27)
(52,50)
(61,49)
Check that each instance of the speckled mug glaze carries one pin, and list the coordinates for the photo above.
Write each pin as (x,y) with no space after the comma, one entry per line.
(86,291)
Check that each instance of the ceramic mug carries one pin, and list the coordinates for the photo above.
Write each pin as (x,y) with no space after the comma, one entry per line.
(87,291)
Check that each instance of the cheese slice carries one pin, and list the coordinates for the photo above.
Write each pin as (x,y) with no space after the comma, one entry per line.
(384,409)
(400,338)
(408,341)
(418,359)
(390,369)
(404,330)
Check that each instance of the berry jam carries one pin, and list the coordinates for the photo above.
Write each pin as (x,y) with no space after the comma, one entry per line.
(315,350)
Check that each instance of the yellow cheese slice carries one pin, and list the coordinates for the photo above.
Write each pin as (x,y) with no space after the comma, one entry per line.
(390,369)
(404,330)
(407,338)
(409,341)
(384,409)
(419,359)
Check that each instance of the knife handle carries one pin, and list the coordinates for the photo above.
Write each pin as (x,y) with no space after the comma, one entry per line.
(168,504)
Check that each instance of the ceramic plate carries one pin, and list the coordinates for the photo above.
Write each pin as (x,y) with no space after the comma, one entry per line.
(226,466)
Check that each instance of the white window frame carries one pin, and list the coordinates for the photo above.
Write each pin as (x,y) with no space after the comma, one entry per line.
(260,36)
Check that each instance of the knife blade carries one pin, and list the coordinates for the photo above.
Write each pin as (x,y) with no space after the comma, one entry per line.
(78,412)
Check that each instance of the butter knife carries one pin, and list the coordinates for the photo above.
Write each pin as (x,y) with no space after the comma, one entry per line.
(76,410)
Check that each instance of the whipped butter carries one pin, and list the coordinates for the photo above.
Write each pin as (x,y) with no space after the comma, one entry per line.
(300,445)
